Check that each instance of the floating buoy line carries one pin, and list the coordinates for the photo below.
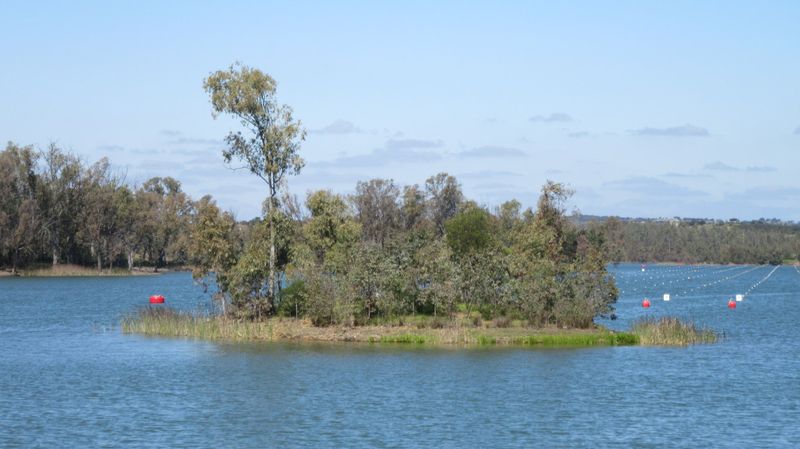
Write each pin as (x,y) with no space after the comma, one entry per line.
(672,276)
(726,278)
(764,279)
(696,273)
(668,281)
(661,272)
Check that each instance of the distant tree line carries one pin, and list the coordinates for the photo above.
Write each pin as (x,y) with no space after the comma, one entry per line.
(700,241)
(55,208)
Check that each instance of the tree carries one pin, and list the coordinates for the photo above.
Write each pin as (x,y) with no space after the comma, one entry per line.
(433,272)
(413,209)
(469,232)
(444,197)
(330,230)
(509,214)
(98,212)
(60,196)
(19,214)
(550,215)
(164,210)
(125,216)
(212,246)
(270,150)
(325,257)
(377,209)
(481,269)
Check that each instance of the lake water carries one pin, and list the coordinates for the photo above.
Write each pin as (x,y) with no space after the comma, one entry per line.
(68,377)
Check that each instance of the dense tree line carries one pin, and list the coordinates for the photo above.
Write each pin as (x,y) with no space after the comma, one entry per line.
(391,251)
(55,208)
(701,241)
(385,250)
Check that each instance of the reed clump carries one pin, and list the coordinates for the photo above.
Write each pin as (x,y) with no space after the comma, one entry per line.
(671,331)
(167,322)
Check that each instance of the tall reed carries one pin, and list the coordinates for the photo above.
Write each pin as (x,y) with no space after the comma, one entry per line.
(671,331)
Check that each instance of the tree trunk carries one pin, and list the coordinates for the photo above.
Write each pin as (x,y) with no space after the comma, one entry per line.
(222,300)
(14,262)
(271,217)
(130,260)
(162,259)
(99,262)
(55,255)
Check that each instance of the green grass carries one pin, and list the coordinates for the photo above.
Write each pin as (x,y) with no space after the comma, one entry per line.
(670,331)
(484,340)
(404,338)
(593,339)
(167,322)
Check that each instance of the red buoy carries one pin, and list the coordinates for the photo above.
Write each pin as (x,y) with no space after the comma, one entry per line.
(156,299)
(646,303)
(731,304)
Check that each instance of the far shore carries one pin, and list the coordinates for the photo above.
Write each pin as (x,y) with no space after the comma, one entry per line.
(70,270)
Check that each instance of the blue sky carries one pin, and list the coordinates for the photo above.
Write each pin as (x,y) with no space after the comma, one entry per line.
(645,108)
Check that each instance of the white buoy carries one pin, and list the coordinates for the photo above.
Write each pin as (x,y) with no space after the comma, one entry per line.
(666,296)
(739,298)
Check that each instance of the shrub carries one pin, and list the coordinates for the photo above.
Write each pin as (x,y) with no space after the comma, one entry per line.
(293,299)
(502,321)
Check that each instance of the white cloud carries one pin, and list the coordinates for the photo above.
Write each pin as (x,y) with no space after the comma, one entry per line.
(339,127)
(492,151)
(555,117)
(674,131)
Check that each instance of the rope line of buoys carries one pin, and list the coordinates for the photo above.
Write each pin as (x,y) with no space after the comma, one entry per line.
(653,274)
(658,272)
(669,282)
(701,275)
(727,278)
(642,283)
(731,273)
(764,279)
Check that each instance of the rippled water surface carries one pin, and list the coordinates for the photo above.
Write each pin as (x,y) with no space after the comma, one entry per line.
(68,377)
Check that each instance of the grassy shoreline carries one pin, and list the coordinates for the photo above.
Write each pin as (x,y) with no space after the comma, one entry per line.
(166,322)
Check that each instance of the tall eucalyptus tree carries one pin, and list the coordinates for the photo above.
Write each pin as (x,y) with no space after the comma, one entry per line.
(269,146)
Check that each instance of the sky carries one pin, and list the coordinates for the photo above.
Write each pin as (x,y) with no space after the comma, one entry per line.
(646,109)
